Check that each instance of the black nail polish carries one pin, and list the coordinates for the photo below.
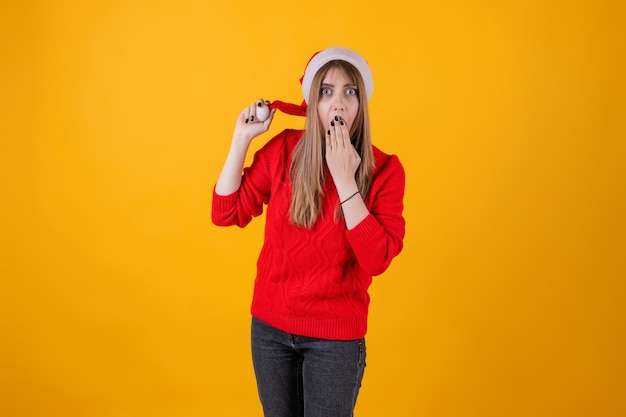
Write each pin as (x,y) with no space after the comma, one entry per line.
(246,120)
(332,123)
(336,118)
(259,104)
(341,122)
(329,131)
(252,118)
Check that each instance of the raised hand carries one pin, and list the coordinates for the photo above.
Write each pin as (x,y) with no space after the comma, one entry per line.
(248,126)
(341,157)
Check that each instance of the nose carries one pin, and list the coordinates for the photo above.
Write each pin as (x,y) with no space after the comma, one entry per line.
(339,104)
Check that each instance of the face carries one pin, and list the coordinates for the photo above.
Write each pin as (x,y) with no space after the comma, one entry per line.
(338,97)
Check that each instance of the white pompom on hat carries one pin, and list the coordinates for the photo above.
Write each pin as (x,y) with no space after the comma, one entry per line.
(317,61)
(336,54)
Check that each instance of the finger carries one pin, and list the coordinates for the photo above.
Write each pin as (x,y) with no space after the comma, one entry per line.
(252,109)
(330,138)
(336,127)
(337,142)
(245,115)
(345,135)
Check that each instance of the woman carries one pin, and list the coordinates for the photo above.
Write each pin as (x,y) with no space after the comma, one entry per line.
(334,220)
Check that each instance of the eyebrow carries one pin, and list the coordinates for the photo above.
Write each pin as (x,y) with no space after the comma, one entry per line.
(332,85)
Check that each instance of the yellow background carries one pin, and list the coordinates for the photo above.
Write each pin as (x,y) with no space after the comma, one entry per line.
(120,298)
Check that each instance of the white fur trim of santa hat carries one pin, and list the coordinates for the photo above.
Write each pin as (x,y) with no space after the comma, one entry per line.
(340,54)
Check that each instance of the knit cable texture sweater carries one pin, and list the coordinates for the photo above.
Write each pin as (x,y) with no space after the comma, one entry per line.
(314,282)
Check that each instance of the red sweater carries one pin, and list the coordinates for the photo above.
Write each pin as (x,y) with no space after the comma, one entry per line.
(315,282)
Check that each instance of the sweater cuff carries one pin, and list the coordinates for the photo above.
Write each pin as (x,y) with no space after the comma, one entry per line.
(224,202)
(364,232)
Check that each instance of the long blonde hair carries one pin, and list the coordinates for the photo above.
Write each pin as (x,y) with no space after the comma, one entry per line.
(307,166)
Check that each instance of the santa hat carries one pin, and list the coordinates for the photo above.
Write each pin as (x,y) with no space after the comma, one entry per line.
(317,61)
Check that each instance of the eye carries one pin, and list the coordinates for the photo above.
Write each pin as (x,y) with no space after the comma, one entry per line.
(325,91)
(351,91)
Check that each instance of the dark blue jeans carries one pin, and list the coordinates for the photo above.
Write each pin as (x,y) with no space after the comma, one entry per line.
(301,376)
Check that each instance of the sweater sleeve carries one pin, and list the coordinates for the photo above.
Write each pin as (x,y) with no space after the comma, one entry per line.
(379,237)
(247,202)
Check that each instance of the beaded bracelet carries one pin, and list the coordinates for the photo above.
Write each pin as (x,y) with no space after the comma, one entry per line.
(348,198)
